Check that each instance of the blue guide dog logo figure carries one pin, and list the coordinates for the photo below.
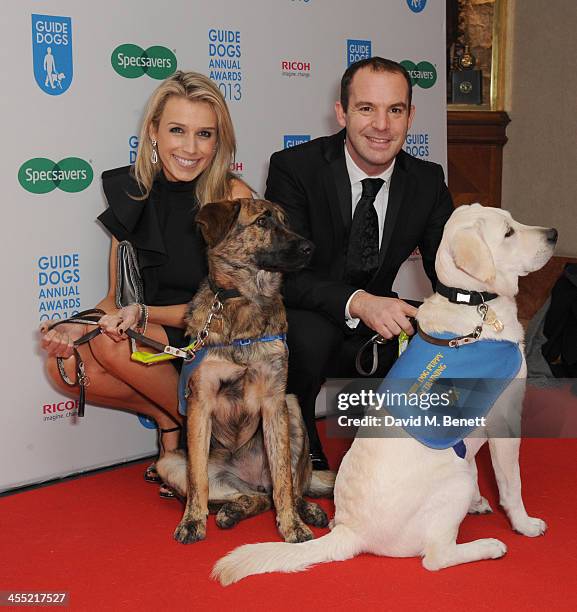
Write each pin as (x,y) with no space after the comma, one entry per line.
(416,5)
(52,53)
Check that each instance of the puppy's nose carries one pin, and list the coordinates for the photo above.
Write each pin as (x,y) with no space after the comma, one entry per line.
(552,235)
(306,248)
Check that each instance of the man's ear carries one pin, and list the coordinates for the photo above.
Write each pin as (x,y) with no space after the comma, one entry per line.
(411,116)
(341,114)
(471,254)
(216,220)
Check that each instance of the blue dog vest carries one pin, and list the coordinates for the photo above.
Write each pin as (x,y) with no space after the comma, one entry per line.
(467,379)
(189,366)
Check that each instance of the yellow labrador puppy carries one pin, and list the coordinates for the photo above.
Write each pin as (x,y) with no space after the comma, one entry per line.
(398,497)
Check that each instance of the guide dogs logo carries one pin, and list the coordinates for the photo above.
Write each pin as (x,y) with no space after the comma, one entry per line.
(224,63)
(146,422)
(58,286)
(52,53)
(131,61)
(423,74)
(416,5)
(41,175)
(292,140)
(358,50)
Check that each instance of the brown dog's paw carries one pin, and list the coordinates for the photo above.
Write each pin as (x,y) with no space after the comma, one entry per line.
(312,514)
(297,532)
(190,531)
(229,516)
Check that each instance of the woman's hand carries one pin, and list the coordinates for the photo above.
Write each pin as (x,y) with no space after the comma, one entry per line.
(114,325)
(59,342)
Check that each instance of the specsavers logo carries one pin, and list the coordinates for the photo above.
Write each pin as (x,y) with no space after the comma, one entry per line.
(41,175)
(423,74)
(131,61)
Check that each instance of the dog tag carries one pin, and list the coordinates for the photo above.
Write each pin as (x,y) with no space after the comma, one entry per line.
(491,319)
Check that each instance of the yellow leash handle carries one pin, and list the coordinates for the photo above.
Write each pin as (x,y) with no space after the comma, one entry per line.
(152,358)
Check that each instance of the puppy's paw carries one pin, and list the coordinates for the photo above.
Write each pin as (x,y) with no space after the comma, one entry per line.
(228,516)
(296,532)
(312,514)
(530,527)
(492,548)
(189,531)
(480,506)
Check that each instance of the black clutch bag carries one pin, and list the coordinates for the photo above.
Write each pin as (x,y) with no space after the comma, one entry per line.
(129,288)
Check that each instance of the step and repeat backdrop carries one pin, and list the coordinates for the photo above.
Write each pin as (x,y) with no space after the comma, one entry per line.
(76,77)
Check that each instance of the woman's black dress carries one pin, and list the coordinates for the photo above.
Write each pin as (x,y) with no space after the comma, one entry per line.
(170,249)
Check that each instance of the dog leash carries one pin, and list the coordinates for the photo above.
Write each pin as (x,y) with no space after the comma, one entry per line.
(189,352)
(455,295)
(86,317)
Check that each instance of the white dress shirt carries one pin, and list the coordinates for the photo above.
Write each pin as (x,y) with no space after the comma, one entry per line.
(356,175)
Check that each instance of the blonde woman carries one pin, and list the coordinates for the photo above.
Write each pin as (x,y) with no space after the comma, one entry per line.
(186,147)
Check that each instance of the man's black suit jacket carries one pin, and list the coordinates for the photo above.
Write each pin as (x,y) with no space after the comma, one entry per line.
(311,183)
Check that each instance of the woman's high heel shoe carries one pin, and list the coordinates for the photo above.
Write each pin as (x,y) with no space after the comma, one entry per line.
(151,475)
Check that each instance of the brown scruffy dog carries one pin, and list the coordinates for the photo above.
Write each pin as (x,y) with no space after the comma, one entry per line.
(246,439)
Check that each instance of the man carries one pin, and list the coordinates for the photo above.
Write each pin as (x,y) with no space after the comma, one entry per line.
(363,230)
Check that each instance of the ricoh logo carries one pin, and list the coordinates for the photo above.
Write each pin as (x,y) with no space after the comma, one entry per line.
(224,52)
(295,68)
(417,144)
(131,61)
(42,175)
(55,411)
(358,50)
(132,149)
(52,53)
(58,285)
(291,140)
(423,74)
(237,167)
(416,5)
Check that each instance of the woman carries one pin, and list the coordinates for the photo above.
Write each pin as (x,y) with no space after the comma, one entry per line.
(185,150)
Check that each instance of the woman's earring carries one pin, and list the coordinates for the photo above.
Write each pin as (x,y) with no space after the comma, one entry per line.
(154,156)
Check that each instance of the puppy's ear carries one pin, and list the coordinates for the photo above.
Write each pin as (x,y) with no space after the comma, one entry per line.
(472,255)
(216,220)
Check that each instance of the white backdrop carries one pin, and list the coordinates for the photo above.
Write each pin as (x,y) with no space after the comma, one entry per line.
(284,59)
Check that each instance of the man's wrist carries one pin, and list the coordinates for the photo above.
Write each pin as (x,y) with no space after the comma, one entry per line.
(352,305)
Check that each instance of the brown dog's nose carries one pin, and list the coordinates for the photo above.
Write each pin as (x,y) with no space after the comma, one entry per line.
(552,235)
(306,248)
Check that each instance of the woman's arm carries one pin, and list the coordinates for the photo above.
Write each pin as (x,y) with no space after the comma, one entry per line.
(116,321)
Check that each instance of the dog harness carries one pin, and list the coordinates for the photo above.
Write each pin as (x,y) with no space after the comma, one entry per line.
(189,366)
(468,379)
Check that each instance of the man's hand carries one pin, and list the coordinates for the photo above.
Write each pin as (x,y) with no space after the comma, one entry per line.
(387,316)
(114,325)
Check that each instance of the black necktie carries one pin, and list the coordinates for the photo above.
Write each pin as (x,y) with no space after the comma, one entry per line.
(363,251)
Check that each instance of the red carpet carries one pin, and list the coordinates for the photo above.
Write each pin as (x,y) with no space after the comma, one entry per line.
(107,540)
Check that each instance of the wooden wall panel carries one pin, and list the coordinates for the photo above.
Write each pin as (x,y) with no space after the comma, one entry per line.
(475,141)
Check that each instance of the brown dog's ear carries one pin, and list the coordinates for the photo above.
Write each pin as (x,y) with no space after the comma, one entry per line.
(216,219)
(471,255)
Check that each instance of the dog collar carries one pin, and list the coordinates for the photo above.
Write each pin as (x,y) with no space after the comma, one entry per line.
(223,294)
(464,296)
(451,342)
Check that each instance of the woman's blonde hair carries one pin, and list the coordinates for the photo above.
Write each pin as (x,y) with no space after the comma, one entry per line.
(214,182)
